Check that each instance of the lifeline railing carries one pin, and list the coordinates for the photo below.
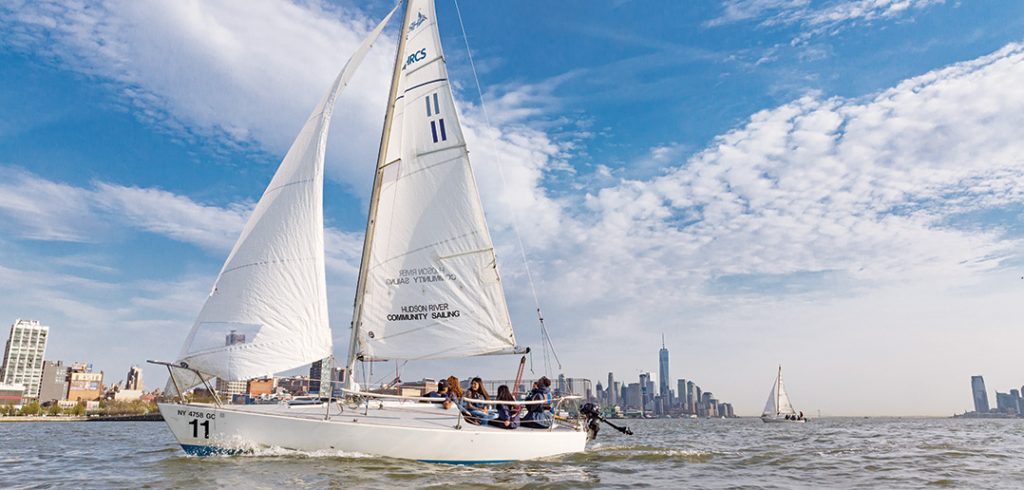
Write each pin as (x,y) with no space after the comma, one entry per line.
(556,403)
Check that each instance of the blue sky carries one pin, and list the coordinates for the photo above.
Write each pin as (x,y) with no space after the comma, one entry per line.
(836,186)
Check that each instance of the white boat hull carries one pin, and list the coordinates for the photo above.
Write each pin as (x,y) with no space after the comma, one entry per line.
(205,429)
(781,420)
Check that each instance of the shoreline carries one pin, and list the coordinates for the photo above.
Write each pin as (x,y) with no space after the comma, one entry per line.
(149,417)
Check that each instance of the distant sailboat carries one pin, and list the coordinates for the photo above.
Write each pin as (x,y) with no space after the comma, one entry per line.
(778,408)
(428,288)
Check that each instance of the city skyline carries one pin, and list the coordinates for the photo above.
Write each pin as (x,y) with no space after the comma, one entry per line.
(836,190)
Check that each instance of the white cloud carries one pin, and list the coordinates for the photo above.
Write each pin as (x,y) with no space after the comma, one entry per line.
(249,72)
(816,20)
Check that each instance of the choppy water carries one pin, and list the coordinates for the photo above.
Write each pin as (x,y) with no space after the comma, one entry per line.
(743,453)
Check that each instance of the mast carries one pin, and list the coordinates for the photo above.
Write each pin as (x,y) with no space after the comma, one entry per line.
(364,264)
(778,390)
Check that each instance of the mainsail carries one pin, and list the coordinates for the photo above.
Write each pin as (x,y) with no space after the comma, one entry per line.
(268,309)
(429,287)
(778,401)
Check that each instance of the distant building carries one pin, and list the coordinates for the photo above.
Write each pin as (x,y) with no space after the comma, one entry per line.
(315,372)
(980,394)
(683,402)
(616,392)
(613,393)
(295,385)
(663,376)
(228,389)
(233,338)
(634,396)
(644,392)
(261,386)
(134,379)
(23,356)
(691,397)
(83,384)
(11,394)
(54,384)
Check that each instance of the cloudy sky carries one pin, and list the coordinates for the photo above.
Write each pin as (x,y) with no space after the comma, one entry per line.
(834,186)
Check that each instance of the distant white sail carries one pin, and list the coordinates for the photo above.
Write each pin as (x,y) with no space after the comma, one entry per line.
(432,288)
(268,309)
(778,400)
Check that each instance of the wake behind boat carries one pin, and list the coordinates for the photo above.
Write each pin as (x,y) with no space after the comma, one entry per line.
(428,288)
(778,409)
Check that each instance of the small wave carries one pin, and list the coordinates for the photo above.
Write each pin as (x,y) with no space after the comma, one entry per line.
(642,453)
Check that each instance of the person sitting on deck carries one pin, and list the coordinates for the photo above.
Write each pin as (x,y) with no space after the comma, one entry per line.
(508,415)
(539,416)
(478,412)
(454,393)
(441,393)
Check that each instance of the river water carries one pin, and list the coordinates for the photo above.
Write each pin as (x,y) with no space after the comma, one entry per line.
(738,453)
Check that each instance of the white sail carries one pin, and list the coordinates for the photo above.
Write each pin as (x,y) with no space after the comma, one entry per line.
(778,401)
(785,407)
(268,309)
(431,287)
(771,406)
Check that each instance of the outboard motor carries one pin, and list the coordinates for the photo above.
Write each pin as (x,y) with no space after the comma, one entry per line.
(592,413)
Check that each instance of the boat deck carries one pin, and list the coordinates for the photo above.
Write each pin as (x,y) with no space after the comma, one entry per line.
(388,413)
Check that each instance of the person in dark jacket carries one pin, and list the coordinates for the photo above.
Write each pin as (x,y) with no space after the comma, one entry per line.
(538,416)
(508,415)
(441,393)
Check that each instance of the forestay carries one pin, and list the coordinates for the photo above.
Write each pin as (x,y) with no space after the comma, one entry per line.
(267,311)
(432,288)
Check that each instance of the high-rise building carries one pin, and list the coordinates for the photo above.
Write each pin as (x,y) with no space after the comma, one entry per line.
(234,338)
(644,391)
(23,356)
(617,393)
(681,390)
(612,392)
(691,397)
(663,372)
(979,393)
(634,396)
(54,383)
(134,379)
(316,370)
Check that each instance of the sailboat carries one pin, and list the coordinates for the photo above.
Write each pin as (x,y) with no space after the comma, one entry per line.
(778,407)
(428,288)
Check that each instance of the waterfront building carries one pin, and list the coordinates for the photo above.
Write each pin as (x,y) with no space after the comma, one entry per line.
(663,376)
(261,386)
(295,385)
(613,392)
(681,390)
(23,356)
(133,381)
(600,392)
(979,393)
(617,393)
(645,391)
(691,397)
(228,389)
(633,396)
(53,386)
(560,388)
(83,384)
(315,372)
(11,394)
